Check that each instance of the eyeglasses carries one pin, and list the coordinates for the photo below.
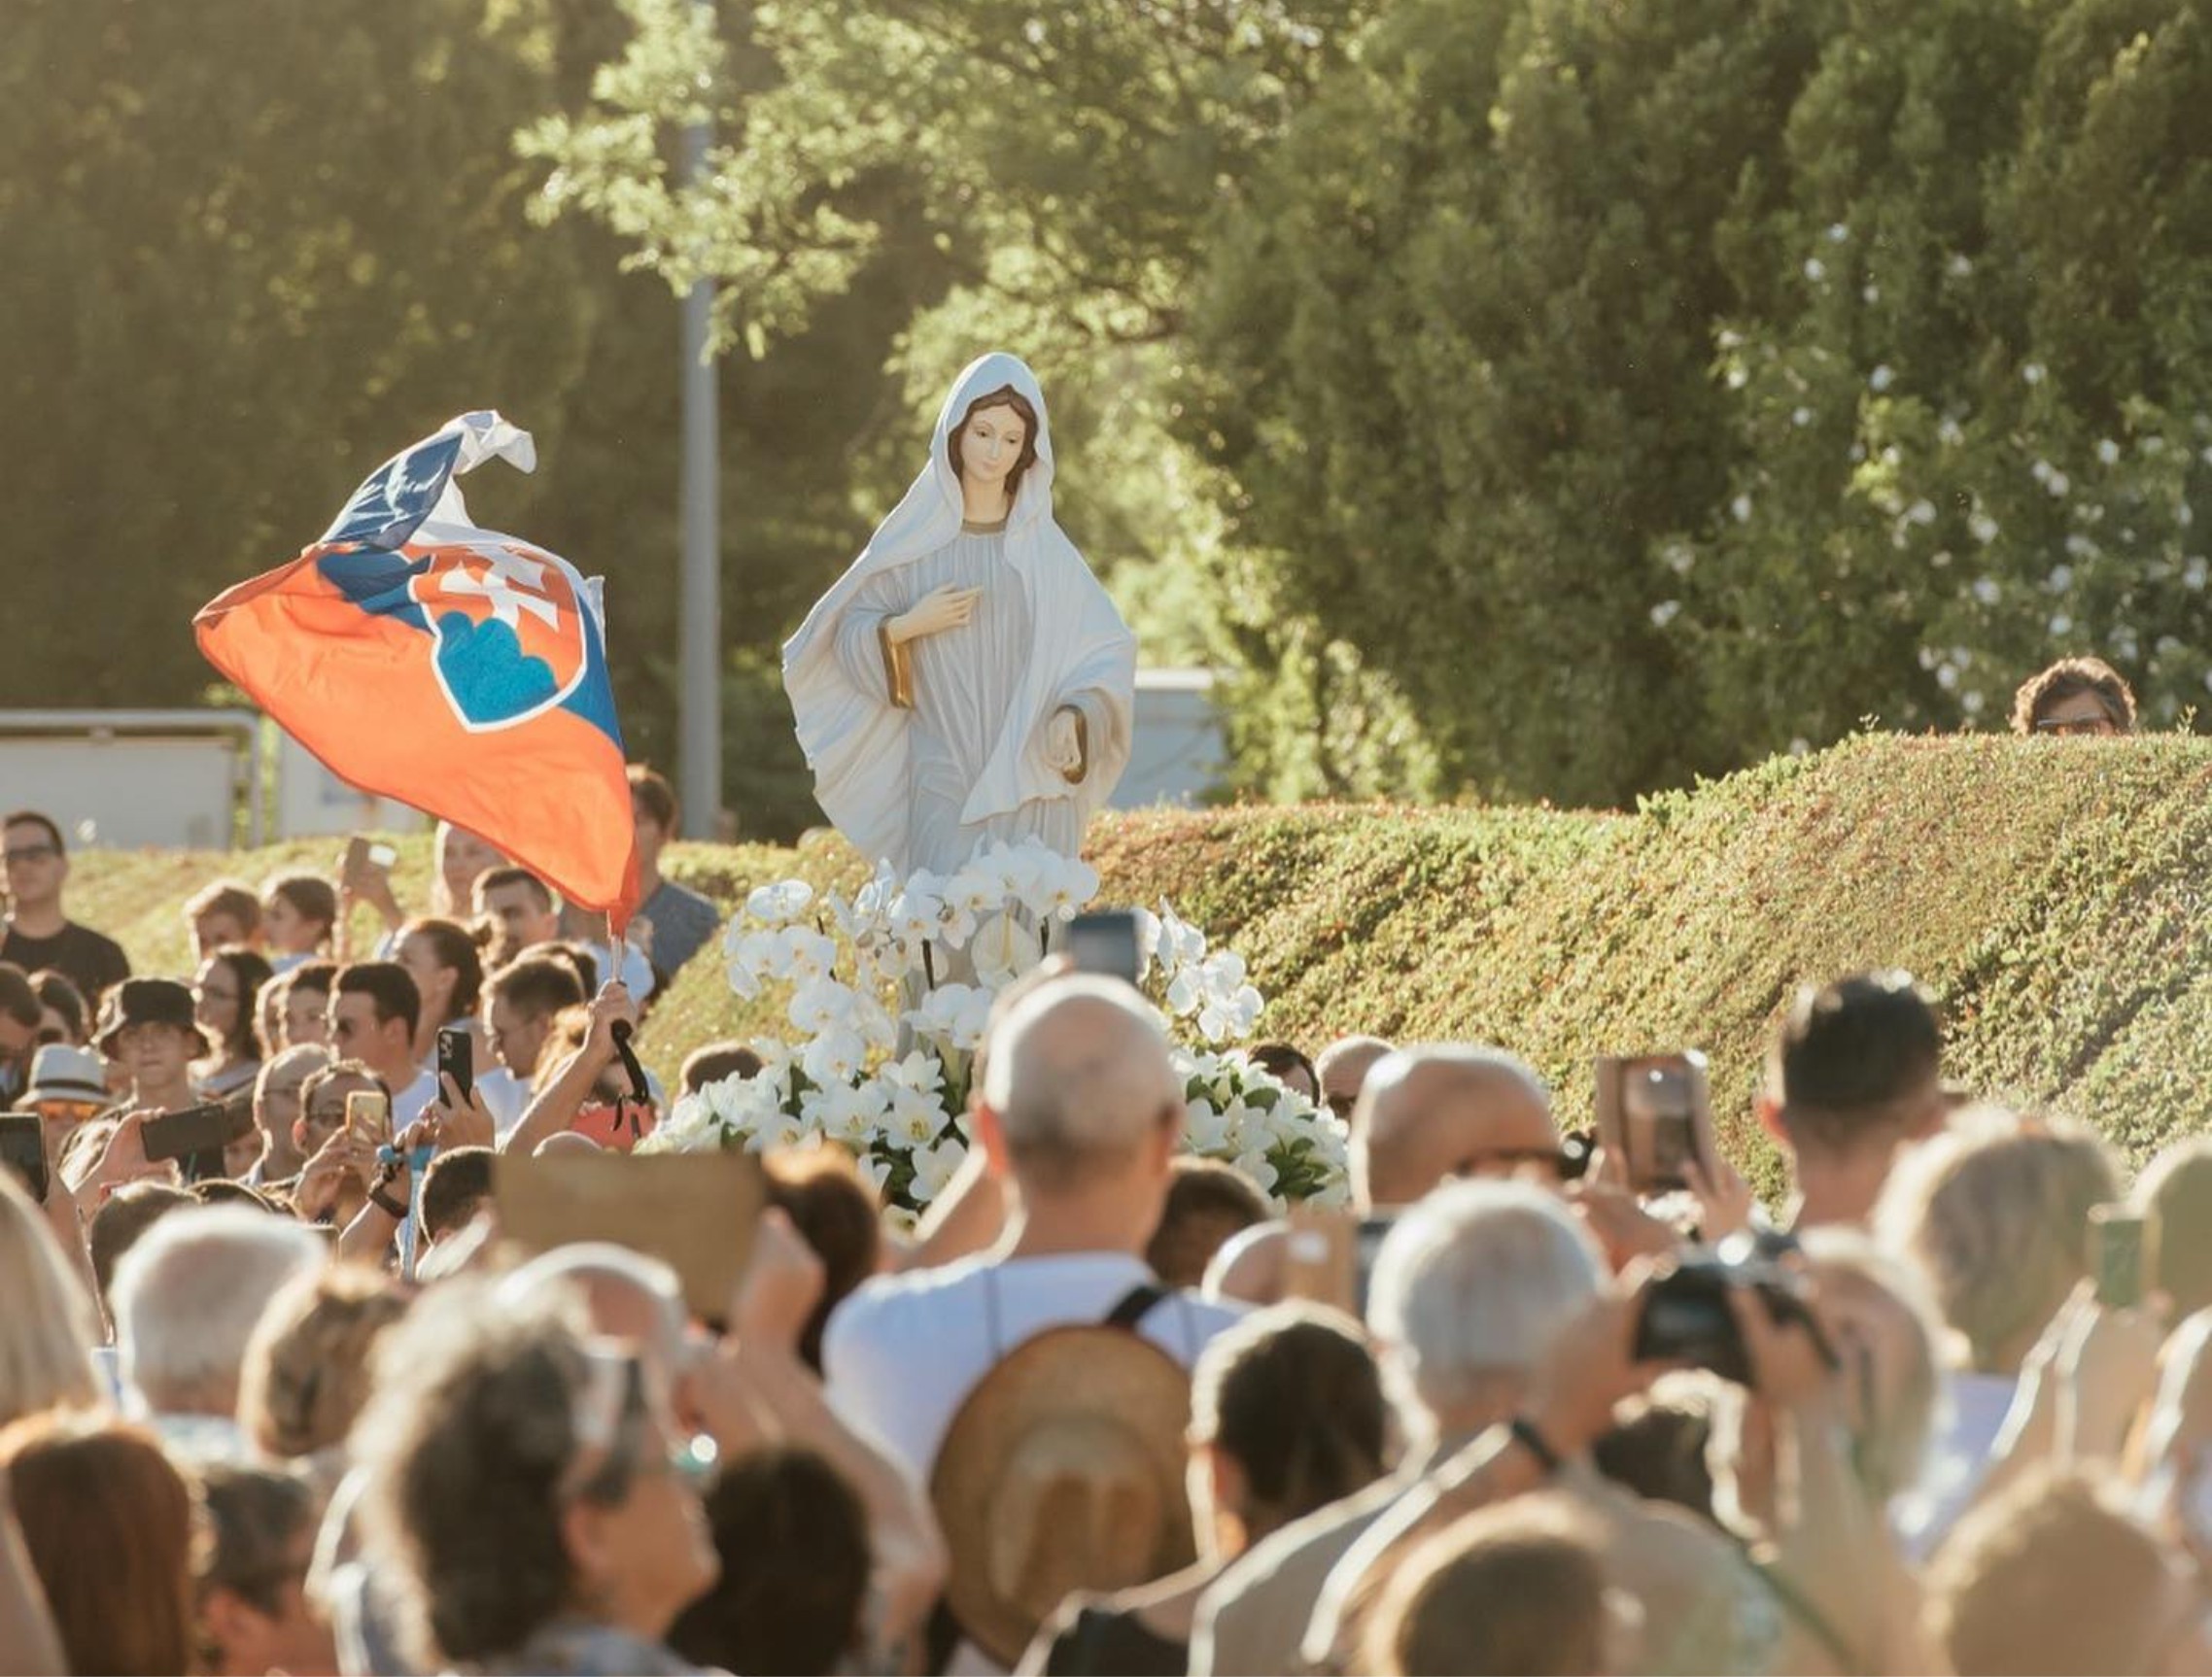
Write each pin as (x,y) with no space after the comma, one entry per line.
(25,854)
(2075,726)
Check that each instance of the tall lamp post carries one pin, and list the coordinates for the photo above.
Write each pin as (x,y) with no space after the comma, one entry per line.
(699,766)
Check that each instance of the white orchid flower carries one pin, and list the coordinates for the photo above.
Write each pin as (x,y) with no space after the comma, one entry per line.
(916,912)
(822,1004)
(1187,994)
(785,900)
(953,1015)
(975,891)
(836,1056)
(1227,1018)
(1066,887)
(809,953)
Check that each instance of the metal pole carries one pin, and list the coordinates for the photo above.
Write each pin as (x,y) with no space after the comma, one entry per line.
(699,768)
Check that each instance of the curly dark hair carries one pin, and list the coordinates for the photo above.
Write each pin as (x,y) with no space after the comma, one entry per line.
(2069,678)
(793,1538)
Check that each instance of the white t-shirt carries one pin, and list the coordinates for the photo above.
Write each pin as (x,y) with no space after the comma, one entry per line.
(903,1352)
(506,1096)
(411,1103)
(1975,1406)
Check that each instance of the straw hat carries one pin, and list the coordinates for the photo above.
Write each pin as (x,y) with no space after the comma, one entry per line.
(1062,1471)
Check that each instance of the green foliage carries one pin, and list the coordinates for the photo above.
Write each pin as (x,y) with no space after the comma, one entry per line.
(1056,167)
(2050,894)
(253,251)
(1611,394)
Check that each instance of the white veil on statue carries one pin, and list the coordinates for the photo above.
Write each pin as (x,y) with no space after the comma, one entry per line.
(855,741)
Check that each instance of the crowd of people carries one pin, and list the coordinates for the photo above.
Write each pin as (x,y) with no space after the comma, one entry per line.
(1945,1404)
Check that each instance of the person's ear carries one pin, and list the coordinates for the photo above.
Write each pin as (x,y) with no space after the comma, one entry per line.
(583,1534)
(1769,1111)
(990,1135)
(1225,1477)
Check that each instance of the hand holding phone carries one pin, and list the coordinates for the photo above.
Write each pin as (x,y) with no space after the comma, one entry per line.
(1655,1113)
(368,1117)
(1106,943)
(456,1059)
(194,1138)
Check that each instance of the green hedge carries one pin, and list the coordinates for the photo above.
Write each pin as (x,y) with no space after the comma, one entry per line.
(2050,893)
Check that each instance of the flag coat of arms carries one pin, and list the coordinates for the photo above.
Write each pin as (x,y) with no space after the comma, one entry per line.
(451,667)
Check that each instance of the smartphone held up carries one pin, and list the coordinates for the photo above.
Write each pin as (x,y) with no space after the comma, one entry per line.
(1655,1114)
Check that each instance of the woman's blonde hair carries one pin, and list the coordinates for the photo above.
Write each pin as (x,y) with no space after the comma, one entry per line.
(1995,1212)
(48,1327)
(310,1364)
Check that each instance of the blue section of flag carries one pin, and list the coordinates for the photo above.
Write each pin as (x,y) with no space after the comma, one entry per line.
(486,670)
(396,497)
(594,697)
(376,581)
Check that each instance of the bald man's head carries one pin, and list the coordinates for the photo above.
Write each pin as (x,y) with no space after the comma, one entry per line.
(1078,1075)
(1428,1115)
(1343,1069)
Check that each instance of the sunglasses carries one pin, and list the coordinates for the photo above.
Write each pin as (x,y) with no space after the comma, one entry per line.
(30,853)
(68,1112)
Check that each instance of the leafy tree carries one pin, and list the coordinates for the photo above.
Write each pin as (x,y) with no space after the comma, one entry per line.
(251,251)
(1616,394)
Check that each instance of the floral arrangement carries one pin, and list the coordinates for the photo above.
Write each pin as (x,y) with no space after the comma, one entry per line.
(889,993)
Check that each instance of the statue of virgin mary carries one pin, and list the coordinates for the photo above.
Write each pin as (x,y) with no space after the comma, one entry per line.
(966,679)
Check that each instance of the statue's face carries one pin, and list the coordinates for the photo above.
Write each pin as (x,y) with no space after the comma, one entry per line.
(990,445)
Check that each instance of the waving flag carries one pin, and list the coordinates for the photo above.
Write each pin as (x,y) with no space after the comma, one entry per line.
(455,669)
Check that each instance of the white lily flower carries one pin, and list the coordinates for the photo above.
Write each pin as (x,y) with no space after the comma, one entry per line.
(934,1167)
(1206,1129)
(1003,950)
(783,1130)
(919,1073)
(1256,1165)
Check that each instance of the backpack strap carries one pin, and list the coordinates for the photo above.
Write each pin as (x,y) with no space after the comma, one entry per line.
(1134,1306)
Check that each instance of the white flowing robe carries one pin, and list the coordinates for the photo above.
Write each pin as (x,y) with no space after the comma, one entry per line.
(922,787)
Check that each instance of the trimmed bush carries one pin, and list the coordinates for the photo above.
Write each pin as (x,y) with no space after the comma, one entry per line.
(2051,893)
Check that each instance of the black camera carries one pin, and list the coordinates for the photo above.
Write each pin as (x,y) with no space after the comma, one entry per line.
(1686,1315)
